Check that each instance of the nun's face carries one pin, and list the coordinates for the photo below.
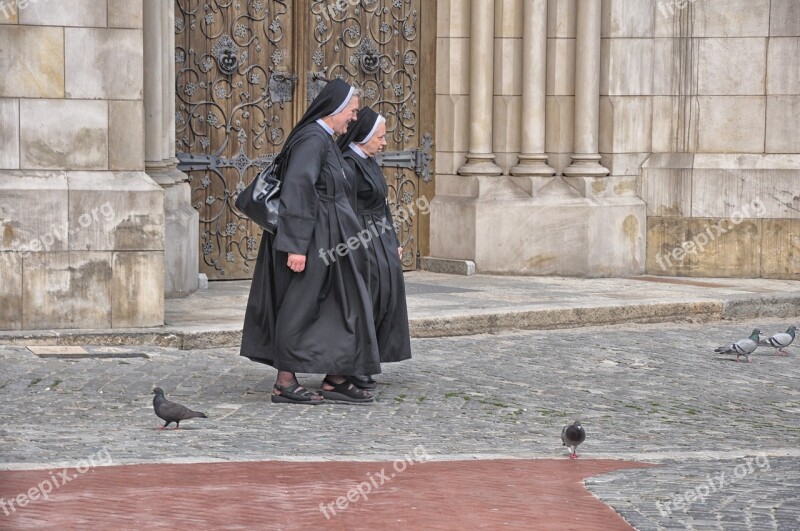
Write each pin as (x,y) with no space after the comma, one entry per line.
(339,122)
(376,143)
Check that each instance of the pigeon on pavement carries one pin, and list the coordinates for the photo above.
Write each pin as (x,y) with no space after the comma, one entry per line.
(743,347)
(172,411)
(573,435)
(780,341)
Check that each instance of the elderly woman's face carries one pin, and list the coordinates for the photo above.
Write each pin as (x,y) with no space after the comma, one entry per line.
(339,122)
(376,143)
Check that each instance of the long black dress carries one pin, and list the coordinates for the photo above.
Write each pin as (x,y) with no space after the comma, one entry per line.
(318,321)
(384,272)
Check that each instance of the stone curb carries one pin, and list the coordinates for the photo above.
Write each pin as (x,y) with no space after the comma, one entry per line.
(747,307)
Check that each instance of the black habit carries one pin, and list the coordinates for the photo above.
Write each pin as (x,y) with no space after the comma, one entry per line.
(318,321)
(384,272)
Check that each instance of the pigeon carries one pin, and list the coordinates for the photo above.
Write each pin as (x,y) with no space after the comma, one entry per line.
(780,341)
(743,347)
(572,436)
(171,411)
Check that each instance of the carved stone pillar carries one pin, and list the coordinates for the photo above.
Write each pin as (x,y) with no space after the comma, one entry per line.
(586,157)
(480,160)
(533,160)
(181,234)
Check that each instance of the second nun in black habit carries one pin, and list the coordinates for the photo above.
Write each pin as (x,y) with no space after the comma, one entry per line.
(384,274)
(305,313)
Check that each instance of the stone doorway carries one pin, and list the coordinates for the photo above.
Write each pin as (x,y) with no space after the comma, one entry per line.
(245,72)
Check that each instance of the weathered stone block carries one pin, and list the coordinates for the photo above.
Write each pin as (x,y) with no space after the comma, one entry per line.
(508,67)
(704,247)
(67,290)
(138,289)
(10,291)
(783,66)
(82,13)
(666,184)
(452,66)
(784,18)
(616,237)
(626,67)
(731,124)
(624,164)
(731,66)
(783,123)
(64,134)
(9,12)
(115,211)
(507,124)
(33,214)
(561,19)
(731,18)
(622,18)
(780,248)
(560,67)
(9,134)
(126,135)
(125,13)
(182,232)
(104,63)
(625,124)
(560,124)
(452,19)
(32,62)
(452,123)
(508,18)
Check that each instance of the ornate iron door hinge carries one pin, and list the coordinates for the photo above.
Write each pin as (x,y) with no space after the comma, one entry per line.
(418,159)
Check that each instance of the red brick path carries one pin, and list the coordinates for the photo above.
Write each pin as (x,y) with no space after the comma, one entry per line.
(522,494)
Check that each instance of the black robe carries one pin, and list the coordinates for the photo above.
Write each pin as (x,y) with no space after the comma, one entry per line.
(318,321)
(384,272)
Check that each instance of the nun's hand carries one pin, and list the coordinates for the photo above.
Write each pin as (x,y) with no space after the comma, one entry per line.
(297,262)
(400,252)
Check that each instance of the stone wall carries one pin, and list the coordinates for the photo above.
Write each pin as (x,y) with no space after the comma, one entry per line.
(81,224)
(702,104)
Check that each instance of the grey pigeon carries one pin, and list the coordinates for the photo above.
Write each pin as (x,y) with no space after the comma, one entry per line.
(572,436)
(743,347)
(172,411)
(780,341)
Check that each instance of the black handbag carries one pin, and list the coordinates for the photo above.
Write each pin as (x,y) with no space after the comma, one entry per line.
(261,199)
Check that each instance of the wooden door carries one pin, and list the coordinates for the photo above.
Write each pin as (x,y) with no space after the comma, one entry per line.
(245,72)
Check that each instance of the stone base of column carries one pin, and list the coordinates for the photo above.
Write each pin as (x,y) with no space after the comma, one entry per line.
(90,245)
(181,234)
(557,232)
(532,166)
(480,164)
(586,165)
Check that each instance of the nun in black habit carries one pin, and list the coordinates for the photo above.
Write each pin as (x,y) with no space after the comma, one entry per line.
(309,309)
(384,274)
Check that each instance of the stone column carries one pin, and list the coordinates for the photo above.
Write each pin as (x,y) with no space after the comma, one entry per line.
(153,89)
(480,160)
(181,234)
(586,157)
(533,160)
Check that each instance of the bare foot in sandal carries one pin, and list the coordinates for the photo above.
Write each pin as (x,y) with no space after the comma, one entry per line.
(288,391)
(338,389)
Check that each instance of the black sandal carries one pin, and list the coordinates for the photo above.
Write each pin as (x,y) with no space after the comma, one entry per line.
(345,392)
(290,395)
(363,382)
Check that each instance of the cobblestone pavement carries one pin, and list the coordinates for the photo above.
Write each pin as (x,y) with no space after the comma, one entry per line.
(651,393)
